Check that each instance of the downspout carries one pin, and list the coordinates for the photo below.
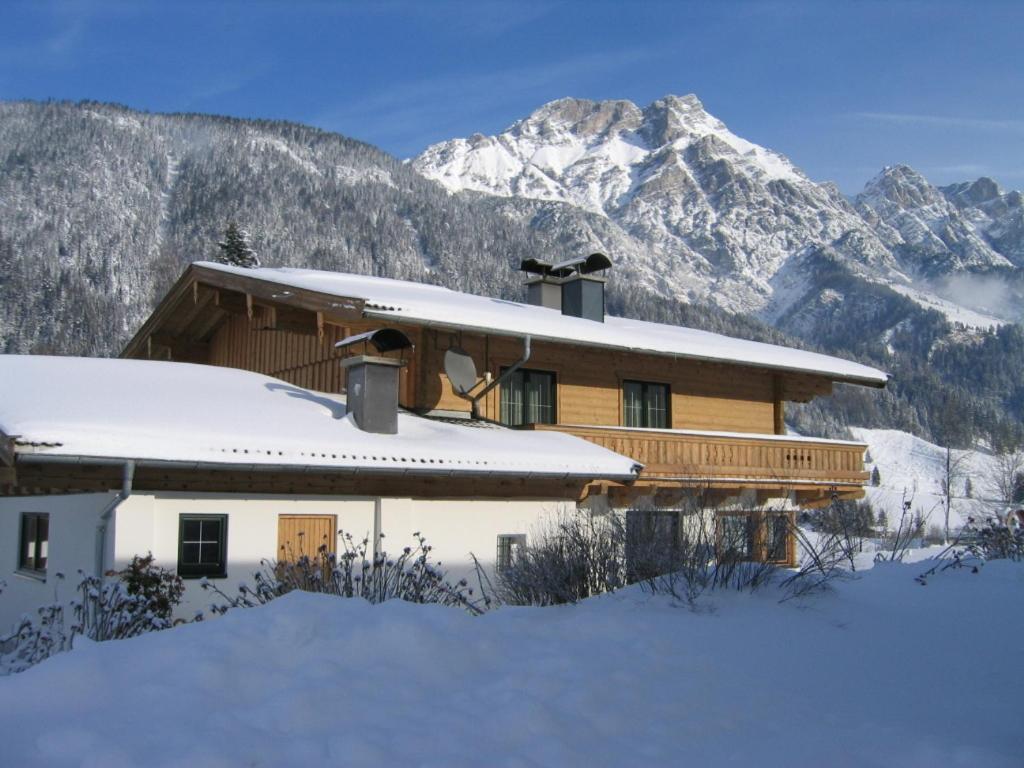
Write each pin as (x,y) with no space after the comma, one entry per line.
(127,477)
(378,546)
(508,372)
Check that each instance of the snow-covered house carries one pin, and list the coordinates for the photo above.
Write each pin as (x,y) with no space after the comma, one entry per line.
(213,469)
(696,409)
(508,409)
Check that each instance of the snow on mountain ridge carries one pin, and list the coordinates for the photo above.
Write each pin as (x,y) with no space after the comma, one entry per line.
(703,214)
(549,155)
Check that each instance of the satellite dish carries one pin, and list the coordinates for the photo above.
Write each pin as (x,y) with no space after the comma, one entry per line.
(460,369)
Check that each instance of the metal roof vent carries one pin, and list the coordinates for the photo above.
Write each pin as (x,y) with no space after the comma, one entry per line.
(558,286)
(372,380)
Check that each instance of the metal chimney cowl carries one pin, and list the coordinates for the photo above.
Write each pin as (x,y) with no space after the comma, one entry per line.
(373,392)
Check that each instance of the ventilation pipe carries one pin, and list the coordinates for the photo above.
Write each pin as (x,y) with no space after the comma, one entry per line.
(372,380)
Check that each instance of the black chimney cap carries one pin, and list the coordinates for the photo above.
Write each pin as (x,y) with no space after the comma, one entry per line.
(383,340)
(595,262)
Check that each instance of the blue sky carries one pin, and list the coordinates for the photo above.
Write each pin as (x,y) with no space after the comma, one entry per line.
(841,88)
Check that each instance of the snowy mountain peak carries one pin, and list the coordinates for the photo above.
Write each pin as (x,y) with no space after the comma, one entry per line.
(682,195)
(596,154)
(939,231)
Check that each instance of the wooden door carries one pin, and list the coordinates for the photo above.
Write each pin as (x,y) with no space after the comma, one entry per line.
(299,535)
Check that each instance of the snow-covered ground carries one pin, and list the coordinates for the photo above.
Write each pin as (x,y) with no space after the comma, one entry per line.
(881,672)
(914,467)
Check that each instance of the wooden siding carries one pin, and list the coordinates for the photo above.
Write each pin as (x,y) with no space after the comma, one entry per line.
(713,459)
(304,359)
(704,396)
(299,535)
(589,383)
(33,479)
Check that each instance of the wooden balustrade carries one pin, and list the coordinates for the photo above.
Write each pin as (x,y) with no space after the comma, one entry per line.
(694,457)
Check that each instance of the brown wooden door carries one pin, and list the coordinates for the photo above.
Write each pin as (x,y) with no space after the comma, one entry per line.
(299,535)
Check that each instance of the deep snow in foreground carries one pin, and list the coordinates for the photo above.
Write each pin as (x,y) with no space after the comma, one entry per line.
(881,672)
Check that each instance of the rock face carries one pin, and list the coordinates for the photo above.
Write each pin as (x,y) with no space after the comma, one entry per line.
(934,231)
(703,214)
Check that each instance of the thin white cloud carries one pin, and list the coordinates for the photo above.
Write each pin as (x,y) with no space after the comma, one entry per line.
(412,112)
(943,121)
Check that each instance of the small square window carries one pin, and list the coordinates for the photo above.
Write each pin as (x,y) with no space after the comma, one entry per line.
(202,546)
(509,547)
(34,547)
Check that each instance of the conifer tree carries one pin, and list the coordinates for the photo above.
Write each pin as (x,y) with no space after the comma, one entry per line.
(235,250)
(876,477)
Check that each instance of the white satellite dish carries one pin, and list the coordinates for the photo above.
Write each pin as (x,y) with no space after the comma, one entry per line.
(461,370)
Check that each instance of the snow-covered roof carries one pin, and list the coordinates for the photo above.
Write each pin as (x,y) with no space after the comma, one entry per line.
(178,412)
(402,300)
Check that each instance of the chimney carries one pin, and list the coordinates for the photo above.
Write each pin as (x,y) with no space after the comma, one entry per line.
(583,296)
(568,286)
(372,380)
(544,291)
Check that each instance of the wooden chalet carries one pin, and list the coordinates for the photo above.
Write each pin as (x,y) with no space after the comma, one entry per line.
(697,410)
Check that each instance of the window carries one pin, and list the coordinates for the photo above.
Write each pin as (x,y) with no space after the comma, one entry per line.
(509,546)
(652,542)
(35,542)
(528,397)
(776,538)
(202,545)
(645,405)
(735,537)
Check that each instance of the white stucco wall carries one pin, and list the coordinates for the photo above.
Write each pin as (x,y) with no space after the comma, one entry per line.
(72,546)
(149,523)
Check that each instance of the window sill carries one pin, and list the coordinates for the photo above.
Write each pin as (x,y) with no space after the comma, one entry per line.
(39,576)
(197,577)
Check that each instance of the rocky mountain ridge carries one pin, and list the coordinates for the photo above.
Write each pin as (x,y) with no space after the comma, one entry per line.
(706,215)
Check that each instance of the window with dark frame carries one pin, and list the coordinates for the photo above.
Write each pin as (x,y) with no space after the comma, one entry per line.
(34,546)
(509,546)
(528,397)
(202,546)
(776,538)
(735,537)
(645,405)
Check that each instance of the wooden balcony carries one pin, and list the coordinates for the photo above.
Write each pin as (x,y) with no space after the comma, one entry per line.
(817,468)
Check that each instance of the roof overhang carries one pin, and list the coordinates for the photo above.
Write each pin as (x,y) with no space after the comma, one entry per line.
(338,309)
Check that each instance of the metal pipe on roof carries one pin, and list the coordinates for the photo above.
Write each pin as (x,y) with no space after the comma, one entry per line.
(508,372)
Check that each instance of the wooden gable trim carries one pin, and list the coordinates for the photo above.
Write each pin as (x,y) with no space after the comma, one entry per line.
(283,308)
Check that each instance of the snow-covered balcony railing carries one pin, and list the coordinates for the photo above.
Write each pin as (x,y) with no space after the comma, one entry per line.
(730,457)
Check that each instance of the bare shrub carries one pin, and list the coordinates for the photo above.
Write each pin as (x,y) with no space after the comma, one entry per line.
(673,552)
(103,610)
(911,528)
(356,572)
(823,559)
(570,557)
